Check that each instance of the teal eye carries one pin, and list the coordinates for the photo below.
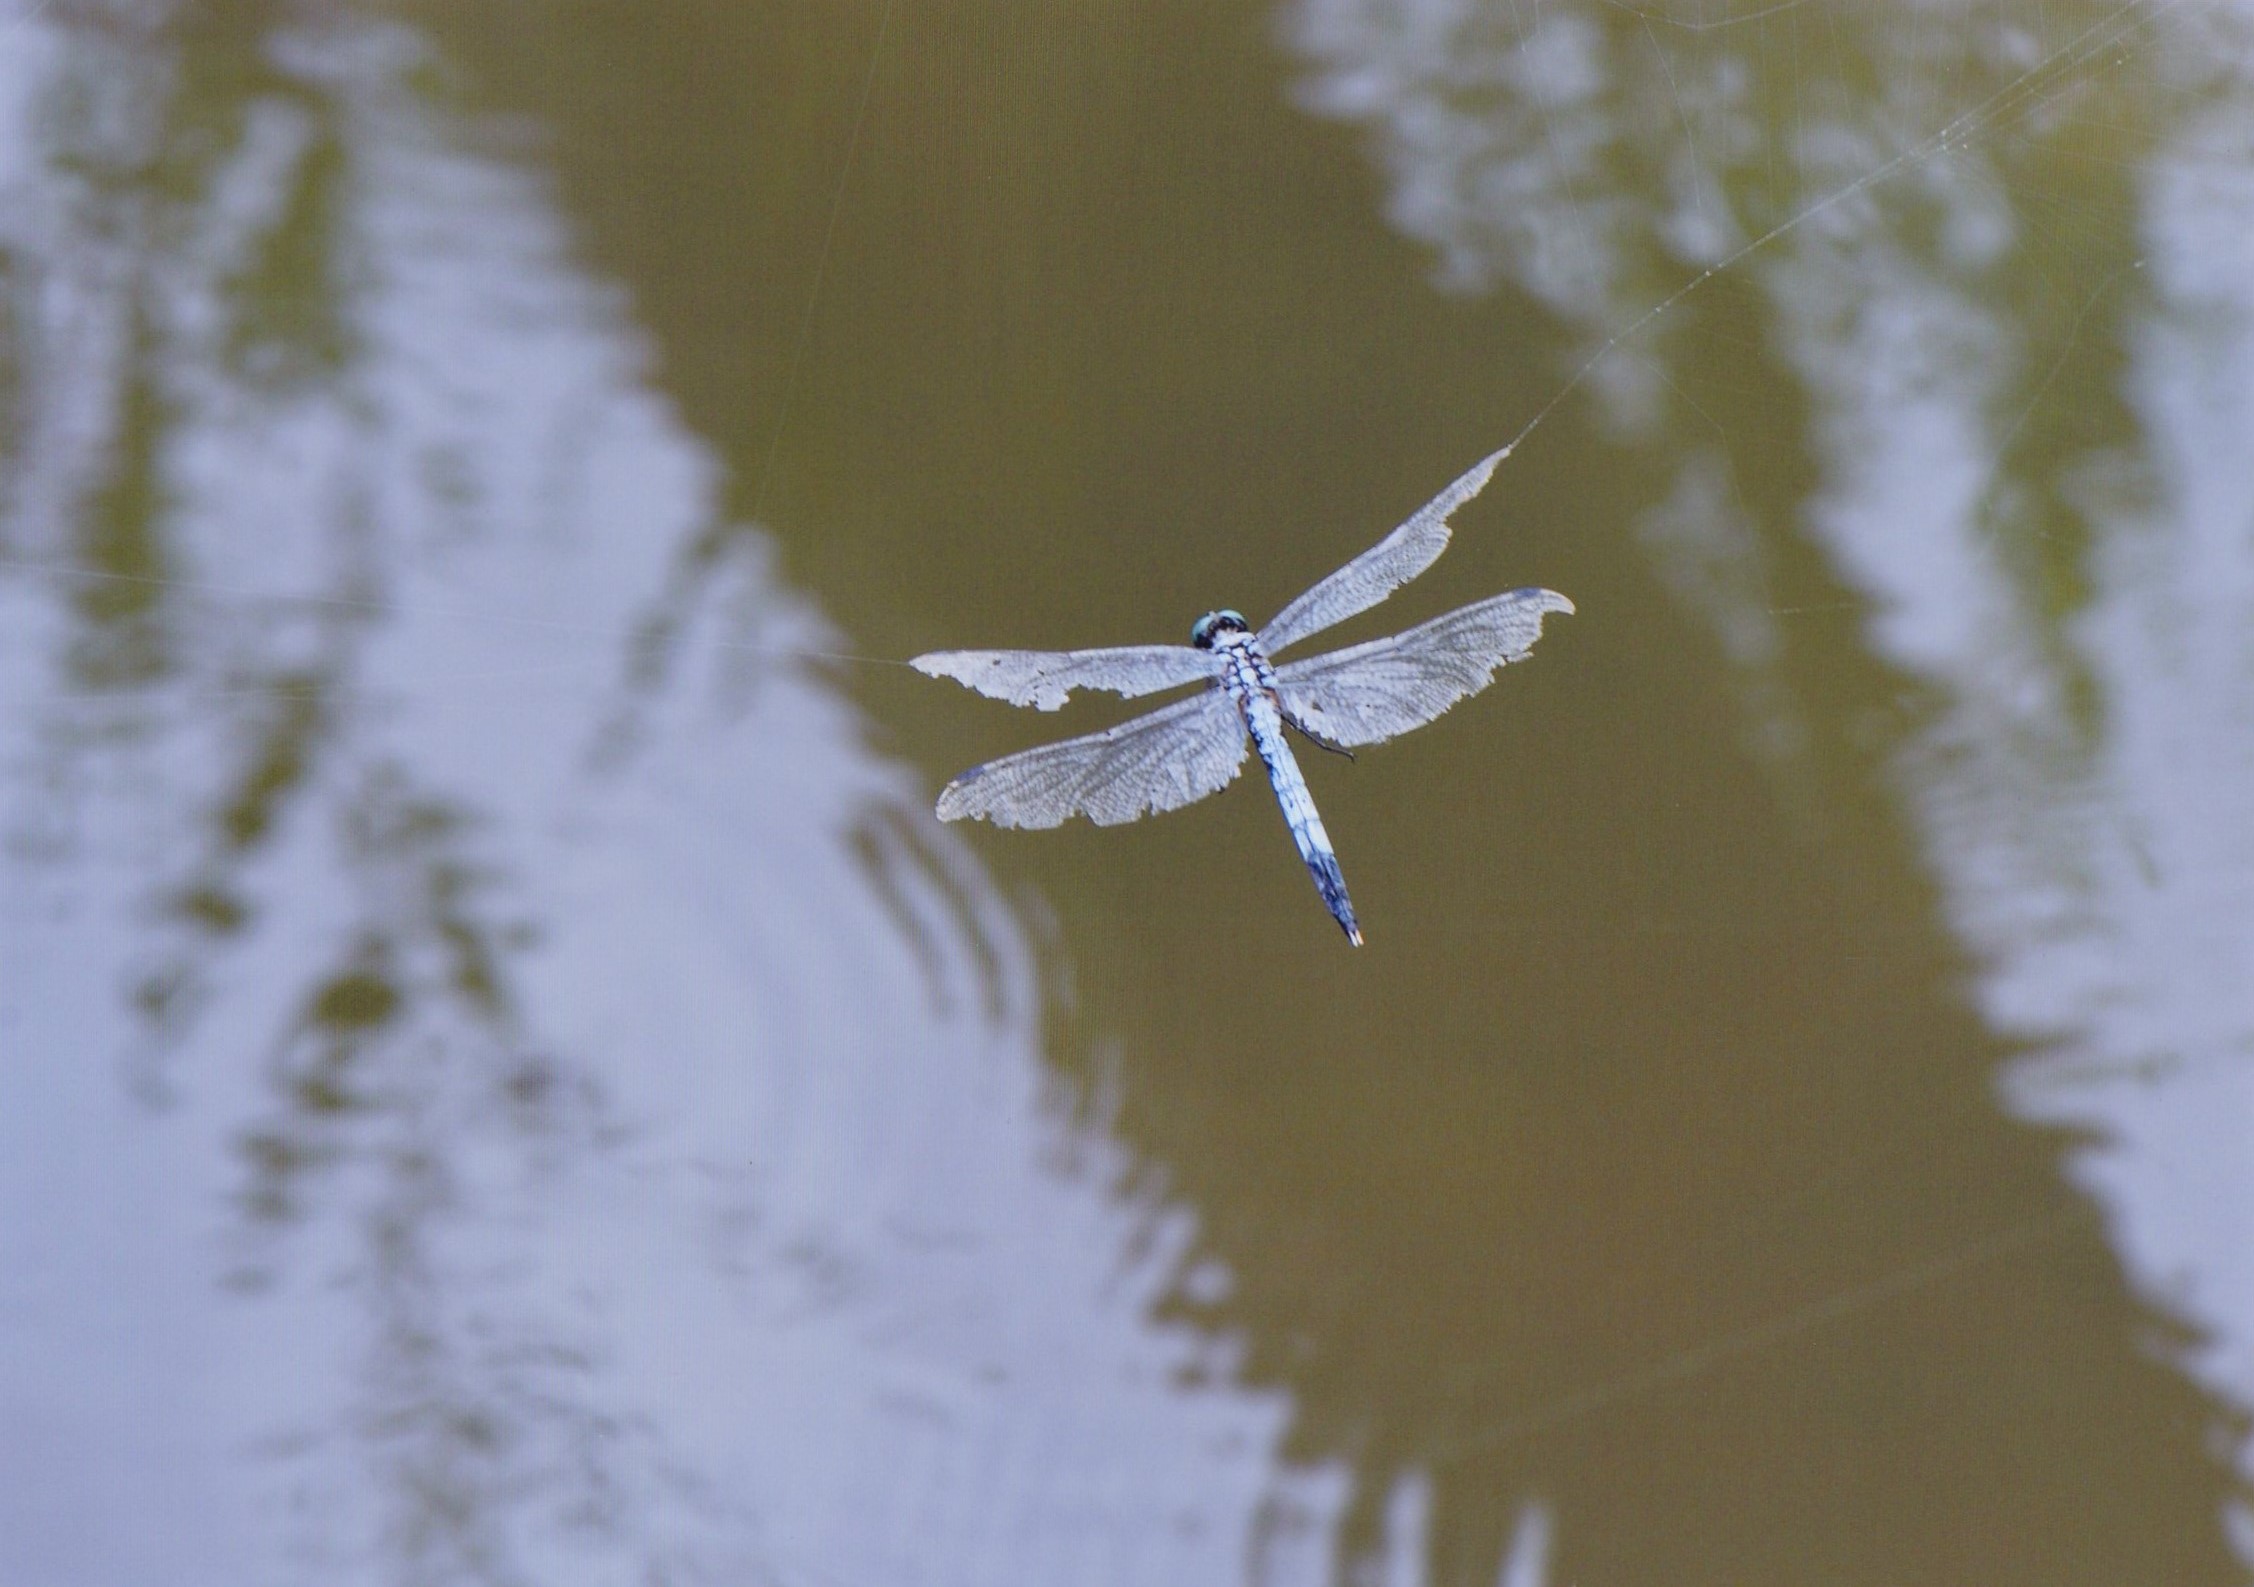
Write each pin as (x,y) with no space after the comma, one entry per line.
(1203,630)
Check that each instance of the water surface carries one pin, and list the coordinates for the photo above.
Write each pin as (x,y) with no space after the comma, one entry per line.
(510,1083)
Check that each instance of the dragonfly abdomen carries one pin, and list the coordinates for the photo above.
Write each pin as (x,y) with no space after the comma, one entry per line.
(1251,682)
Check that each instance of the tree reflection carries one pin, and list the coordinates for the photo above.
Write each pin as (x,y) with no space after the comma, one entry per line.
(1646,1207)
(1943,221)
(201,297)
(624,1110)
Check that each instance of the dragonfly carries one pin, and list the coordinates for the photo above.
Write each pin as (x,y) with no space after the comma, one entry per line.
(1180,753)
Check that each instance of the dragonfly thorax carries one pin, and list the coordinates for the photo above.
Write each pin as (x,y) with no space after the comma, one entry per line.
(1209,628)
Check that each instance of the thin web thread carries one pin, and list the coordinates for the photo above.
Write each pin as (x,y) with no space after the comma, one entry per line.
(2062,63)
(821,267)
(1701,1358)
(557,625)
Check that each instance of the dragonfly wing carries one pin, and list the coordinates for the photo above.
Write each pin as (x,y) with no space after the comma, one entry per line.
(1368,693)
(1382,569)
(1174,756)
(1046,678)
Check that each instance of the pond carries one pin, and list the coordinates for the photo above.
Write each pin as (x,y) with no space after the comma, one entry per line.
(506,1079)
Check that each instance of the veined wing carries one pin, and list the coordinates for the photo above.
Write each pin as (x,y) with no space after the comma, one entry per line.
(1368,693)
(1382,569)
(1174,756)
(1046,678)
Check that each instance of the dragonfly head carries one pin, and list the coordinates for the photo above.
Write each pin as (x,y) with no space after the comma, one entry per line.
(1213,624)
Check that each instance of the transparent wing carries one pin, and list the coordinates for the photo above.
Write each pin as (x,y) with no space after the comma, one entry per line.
(1174,756)
(1366,694)
(1382,569)
(1046,678)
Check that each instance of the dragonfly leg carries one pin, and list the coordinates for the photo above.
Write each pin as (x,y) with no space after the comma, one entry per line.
(1313,737)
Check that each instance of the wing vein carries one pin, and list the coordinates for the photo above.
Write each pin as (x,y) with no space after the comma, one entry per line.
(1163,760)
(1371,692)
(1382,569)
(1045,679)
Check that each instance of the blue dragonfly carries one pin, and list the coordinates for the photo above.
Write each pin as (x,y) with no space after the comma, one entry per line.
(1178,754)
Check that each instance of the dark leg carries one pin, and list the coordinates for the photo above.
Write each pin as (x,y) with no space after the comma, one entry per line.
(1313,737)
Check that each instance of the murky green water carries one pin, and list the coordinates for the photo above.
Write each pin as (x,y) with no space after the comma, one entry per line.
(508,1082)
